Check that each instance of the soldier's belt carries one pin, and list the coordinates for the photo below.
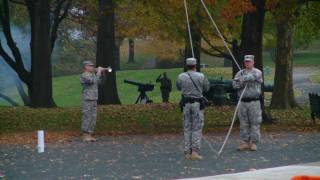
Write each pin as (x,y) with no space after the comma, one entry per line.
(249,99)
(191,100)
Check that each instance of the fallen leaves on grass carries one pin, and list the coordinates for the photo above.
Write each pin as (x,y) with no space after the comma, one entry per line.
(31,137)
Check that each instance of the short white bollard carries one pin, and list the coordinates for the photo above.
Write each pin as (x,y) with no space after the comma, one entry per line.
(40,141)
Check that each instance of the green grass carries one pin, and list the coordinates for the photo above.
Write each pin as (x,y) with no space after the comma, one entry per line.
(67,89)
(301,58)
(316,79)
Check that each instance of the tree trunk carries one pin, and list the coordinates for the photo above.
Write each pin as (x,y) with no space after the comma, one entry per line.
(105,56)
(252,42)
(131,51)
(117,53)
(43,36)
(236,51)
(252,33)
(283,93)
(40,89)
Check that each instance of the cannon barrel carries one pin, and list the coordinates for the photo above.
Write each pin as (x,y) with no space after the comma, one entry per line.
(222,91)
(227,85)
(143,87)
(133,82)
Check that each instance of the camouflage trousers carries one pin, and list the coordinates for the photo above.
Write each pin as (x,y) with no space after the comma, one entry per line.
(193,120)
(250,117)
(89,116)
(165,95)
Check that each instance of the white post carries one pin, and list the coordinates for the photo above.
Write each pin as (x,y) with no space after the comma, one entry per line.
(40,141)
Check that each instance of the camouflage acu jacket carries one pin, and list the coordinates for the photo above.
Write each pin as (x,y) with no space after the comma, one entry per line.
(89,82)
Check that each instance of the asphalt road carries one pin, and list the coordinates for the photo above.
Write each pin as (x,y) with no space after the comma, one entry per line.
(152,157)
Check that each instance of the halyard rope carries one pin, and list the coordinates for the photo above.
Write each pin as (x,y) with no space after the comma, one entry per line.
(233,58)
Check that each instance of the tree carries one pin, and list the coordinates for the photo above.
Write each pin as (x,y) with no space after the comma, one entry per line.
(252,32)
(283,93)
(252,41)
(306,31)
(108,93)
(195,34)
(43,37)
(131,51)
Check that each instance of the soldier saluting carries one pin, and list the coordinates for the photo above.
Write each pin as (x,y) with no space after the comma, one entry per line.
(249,112)
(192,84)
(89,80)
(165,86)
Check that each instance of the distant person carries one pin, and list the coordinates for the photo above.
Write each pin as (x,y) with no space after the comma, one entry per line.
(165,87)
(89,80)
(192,85)
(250,114)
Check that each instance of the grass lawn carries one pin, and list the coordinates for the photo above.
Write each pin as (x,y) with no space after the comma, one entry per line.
(302,58)
(316,79)
(67,89)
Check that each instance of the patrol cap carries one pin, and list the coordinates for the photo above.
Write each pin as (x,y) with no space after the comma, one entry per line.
(249,58)
(88,63)
(191,61)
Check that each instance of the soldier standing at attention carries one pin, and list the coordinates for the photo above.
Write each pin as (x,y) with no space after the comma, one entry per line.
(89,80)
(192,84)
(249,113)
(165,87)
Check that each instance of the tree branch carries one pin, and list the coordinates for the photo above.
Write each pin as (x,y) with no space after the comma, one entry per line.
(16,63)
(212,54)
(7,58)
(8,99)
(57,20)
(18,2)
(212,46)
(5,21)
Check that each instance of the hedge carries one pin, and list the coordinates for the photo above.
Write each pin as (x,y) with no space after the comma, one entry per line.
(128,119)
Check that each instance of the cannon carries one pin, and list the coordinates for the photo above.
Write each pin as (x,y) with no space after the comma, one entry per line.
(221,91)
(142,88)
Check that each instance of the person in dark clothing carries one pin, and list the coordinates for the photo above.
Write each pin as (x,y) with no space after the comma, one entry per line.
(165,86)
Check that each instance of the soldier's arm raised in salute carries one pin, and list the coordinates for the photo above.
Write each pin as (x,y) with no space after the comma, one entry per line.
(158,78)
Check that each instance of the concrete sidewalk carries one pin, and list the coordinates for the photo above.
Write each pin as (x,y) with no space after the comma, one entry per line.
(283,173)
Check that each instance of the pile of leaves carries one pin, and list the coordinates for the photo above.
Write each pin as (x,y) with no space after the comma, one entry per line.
(136,119)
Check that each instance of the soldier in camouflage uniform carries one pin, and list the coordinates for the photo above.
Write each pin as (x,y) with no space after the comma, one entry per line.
(165,86)
(89,80)
(249,113)
(192,84)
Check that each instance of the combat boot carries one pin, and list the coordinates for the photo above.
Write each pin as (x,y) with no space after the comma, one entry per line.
(244,146)
(195,156)
(88,138)
(253,146)
(92,139)
(187,156)
(85,137)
